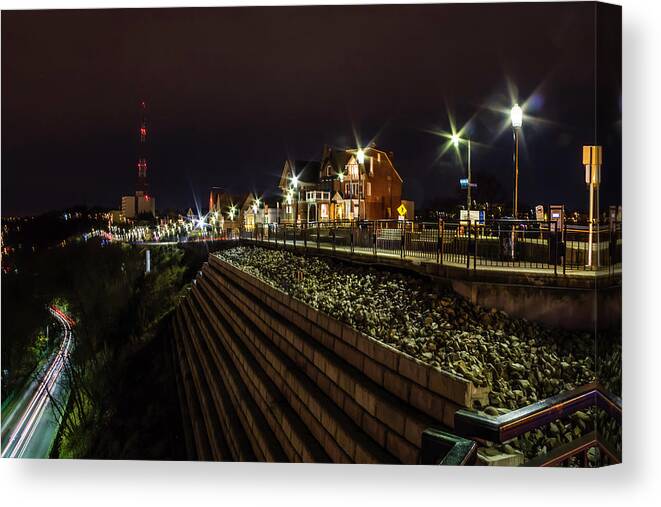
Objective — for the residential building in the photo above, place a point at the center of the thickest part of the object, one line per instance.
(347, 184)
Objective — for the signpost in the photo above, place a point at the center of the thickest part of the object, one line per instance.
(463, 183)
(539, 212)
(592, 160)
(402, 210)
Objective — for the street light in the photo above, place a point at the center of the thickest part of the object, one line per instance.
(455, 139)
(361, 156)
(516, 115)
(294, 182)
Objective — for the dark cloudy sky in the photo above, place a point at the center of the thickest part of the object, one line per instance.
(231, 92)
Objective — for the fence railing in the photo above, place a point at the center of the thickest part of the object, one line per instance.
(492, 243)
(473, 425)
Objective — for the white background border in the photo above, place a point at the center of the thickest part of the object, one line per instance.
(99, 483)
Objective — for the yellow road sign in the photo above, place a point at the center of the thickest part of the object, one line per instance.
(402, 210)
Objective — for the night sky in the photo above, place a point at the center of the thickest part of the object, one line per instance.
(232, 92)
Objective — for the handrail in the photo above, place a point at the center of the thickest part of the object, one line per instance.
(441, 448)
(505, 427)
(573, 448)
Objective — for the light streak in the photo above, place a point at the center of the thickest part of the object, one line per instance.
(25, 428)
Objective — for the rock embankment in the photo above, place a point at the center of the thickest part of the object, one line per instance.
(520, 361)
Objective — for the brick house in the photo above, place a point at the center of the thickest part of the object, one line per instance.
(347, 184)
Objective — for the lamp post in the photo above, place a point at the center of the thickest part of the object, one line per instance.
(360, 158)
(456, 140)
(516, 115)
(294, 182)
(255, 208)
(340, 177)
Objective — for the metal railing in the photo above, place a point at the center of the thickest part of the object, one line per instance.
(441, 448)
(473, 425)
(507, 243)
(579, 450)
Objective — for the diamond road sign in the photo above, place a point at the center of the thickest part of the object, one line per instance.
(401, 210)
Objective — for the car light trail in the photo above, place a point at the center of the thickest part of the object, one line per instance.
(25, 428)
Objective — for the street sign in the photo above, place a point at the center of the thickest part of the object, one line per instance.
(475, 216)
(402, 210)
(463, 183)
(539, 212)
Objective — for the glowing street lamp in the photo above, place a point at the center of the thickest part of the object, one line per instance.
(455, 140)
(516, 115)
(294, 182)
(360, 156)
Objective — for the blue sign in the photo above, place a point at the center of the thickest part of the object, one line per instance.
(463, 182)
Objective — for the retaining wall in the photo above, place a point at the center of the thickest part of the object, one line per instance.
(271, 379)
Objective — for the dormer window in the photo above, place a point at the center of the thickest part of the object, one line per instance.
(329, 170)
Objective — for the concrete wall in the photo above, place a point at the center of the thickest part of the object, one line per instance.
(567, 308)
(569, 302)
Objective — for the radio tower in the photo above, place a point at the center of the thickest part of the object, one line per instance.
(142, 150)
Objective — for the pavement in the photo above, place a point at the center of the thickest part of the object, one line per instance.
(30, 425)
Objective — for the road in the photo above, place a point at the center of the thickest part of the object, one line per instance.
(30, 426)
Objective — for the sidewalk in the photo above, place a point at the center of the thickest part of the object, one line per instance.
(430, 260)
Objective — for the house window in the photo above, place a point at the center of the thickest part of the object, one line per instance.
(352, 169)
(329, 170)
(353, 189)
(324, 210)
(378, 157)
(369, 189)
